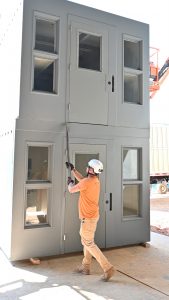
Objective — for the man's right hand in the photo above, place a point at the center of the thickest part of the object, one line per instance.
(69, 165)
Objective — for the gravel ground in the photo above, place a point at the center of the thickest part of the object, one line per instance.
(159, 214)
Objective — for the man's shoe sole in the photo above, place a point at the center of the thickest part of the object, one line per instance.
(81, 271)
(107, 275)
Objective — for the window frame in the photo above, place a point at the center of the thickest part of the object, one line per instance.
(53, 56)
(100, 36)
(132, 182)
(39, 184)
(127, 71)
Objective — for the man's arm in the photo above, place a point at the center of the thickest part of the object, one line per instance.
(77, 175)
(80, 186)
(73, 188)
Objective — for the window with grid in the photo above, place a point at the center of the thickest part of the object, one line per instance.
(38, 185)
(133, 70)
(132, 181)
(45, 54)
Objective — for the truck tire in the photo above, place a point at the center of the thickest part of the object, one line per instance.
(163, 189)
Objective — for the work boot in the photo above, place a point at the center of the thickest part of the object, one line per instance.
(85, 270)
(108, 274)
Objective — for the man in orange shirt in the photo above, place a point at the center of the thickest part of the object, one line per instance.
(89, 188)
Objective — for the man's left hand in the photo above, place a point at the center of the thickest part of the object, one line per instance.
(70, 180)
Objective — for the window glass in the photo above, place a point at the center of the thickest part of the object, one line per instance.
(36, 207)
(133, 54)
(89, 51)
(131, 163)
(132, 172)
(43, 74)
(133, 67)
(44, 39)
(37, 163)
(131, 199)
(81, 161)
(133, 88)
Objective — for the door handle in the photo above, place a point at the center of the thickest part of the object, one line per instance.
(109, 202)
(111, 83)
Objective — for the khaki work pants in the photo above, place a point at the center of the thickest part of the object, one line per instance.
(87, 233)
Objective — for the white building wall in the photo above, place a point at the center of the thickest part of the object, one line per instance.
(52, 107)
(10, 53)
(7, 137)
(42, 118)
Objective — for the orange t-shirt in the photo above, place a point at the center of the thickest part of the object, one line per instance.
(89, 197)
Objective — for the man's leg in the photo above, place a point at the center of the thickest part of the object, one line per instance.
(87, 257)
(87, 232)
(86, 262)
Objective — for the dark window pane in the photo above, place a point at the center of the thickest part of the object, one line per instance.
(132, 88)
(44, 39)
(131, 200)
(89, 51)
(37, 163)
(43, 74)
(81, 161)
(133, 54)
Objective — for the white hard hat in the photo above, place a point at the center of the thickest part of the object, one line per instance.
(96, 165)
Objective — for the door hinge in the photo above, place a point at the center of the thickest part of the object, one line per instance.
(64, 237)
(69, 106)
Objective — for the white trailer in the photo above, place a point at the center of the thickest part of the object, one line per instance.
(159, 158)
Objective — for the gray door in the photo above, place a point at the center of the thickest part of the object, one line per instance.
(127, 193)
(91, 78)
(80, 154)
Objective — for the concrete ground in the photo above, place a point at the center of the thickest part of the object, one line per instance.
(142, 274)
(159, 213)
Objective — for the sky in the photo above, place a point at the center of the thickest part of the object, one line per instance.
(156, 14)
